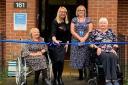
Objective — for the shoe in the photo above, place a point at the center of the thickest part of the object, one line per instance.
(47, 82)
(55, 82)
(60, 81)
(116, 83)
(108, 83)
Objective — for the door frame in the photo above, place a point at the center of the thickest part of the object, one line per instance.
(42, 16)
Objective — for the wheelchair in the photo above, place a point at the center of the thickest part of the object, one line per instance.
(96, 75)
(23, 70)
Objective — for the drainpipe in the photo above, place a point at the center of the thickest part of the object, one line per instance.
(1, 51)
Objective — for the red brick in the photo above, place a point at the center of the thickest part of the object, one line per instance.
(10, 33)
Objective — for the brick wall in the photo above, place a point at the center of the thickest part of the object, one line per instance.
(13, 49)
(103, 8)
(123, 17)
(123, 30)
(123, 22)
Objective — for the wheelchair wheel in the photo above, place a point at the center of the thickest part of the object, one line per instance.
(49, 70)
(20, 73)
(92, 81)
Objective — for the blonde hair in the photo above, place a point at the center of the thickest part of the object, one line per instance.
(58, 18)
(78, 8)
(31, 31)
(103, 19)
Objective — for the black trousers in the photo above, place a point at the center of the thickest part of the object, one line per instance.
(58, 69)
(37, 73)
(109, 61)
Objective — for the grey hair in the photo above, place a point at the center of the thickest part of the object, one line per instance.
(103, 19)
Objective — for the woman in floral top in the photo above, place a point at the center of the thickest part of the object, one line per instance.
(80, 28)
(34, 55)
(106, 52)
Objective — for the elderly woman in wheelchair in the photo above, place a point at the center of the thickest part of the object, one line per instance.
(35, 58)
(106, 52)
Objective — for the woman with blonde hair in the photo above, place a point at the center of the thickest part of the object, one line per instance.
(60, 34)
(80, 28)
(35, 58)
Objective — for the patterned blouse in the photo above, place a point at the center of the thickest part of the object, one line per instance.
(81, 28)
(36, 62)
(98, 36)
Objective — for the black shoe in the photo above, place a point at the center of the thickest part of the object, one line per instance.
(60, 81)
(47, 82)
(55, 82)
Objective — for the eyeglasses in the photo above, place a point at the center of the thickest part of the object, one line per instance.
(63, 11)
(81, 10)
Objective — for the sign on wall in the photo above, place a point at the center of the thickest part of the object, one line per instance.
(20, 4)
(20, 21)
